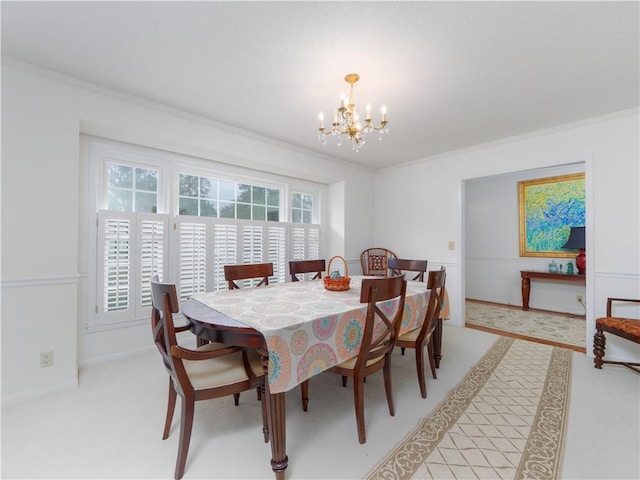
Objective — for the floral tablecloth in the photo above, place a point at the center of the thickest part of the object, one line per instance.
(308, 329)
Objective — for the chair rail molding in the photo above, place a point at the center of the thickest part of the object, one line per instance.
(41, 281)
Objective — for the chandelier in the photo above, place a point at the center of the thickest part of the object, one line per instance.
(346, 120)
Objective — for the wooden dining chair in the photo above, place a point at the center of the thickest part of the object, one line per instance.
(398, 265)
(374, 261)
(301, 267)
(624, 327)
(423, 336)
(210, 371)
(378, 339)
(248, 271)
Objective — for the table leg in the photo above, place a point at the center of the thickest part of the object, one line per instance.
(526, 291)
(276, 421)
(437, 343)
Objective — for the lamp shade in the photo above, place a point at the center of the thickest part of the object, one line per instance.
(576, 239)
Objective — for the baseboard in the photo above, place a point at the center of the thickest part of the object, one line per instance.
(518, 307)
(38, 393)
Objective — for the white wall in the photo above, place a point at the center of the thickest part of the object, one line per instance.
(492, 246)
(44, 259)
(428, 207)
(44, 279)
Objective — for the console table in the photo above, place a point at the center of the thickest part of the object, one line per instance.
(527, 275)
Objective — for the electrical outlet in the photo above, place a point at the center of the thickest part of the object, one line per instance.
(452, 245)
(46, 359)
(580, 299)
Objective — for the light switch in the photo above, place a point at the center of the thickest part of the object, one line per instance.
(452, 245)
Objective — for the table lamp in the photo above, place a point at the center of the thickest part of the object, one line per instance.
(576, 241)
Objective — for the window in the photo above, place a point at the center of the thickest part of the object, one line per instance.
(209, 197)
(132, 189)
(207, 220)
(301, 208)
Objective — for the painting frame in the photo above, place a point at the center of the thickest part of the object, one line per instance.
(548, 208)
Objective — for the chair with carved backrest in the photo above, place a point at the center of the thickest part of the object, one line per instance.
(378, 339)
(628, 328)
(399, 265)
(423, 335)
(301, 267)
(210, 371)
(248, 271)
(375, 261)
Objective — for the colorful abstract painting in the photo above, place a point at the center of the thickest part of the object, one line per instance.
(549, 207)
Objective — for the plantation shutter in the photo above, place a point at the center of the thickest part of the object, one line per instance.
(114, 265)
(298, 243)
(277, 252)
(313, 242)
(192, 268)
(131, 248)
(252, 248)
(153, 245)
(225, 252)
(305, 242)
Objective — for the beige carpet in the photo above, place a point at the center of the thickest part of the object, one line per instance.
(505, 420)
(551, 328)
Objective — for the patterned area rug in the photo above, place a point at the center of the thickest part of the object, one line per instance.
(505, 420)
(556, 329)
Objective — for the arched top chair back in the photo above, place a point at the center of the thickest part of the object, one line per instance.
(381, 328)
(418, 267)
(247, 271)
(301, 267)
(375, 261)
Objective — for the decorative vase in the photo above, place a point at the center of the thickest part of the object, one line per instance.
(553, 267)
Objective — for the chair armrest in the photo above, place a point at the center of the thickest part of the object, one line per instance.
(610, 300)
(188, 354)
(183, 328)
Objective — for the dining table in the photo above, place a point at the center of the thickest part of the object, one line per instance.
(300, 329)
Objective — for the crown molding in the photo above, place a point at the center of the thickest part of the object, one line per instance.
(176, 112)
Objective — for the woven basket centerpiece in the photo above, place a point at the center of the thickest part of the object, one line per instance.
(333, 281)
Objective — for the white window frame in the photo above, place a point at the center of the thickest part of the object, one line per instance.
(169, 166)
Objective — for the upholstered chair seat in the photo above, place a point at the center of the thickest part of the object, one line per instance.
(627, 328)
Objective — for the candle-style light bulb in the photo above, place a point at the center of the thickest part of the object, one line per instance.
(321, 117)
(384, 113)
(368, 111)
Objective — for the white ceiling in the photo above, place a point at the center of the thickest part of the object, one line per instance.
(452, 74)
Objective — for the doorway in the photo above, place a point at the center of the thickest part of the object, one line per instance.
(490, 256)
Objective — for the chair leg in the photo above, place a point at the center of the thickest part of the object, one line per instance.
(265, 422)
(420, 370)
(304, 391)
(402, 350)
(386, 371)
(599, 344)
(432, 360)
(344, 380)
(171, 405)
(358, 399)
(186, 424)
(236, 398)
